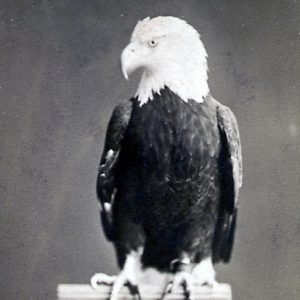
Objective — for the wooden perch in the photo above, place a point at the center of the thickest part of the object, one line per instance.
(84, 292)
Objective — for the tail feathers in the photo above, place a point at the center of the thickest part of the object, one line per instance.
(224, 238)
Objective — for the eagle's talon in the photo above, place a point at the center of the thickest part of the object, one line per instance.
(187, 289)
(211, 284)
(167, 290)
(120, 281)
(183, 279)
(134, 290)
(204, 273)
(101, 278)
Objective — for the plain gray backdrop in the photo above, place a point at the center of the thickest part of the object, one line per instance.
(59, 81)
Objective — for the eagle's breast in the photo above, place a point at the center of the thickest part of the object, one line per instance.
(172, 138)
(171, 149)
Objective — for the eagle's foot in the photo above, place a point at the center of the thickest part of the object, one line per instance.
(116, 282)
(183, 279)
(134, 291)
(127, 276)
(120, 281)
(204, 273)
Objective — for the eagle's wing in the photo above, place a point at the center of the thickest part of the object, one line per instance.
(230, 168)
(106, 178)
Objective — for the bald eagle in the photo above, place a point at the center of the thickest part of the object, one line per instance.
(171, 168)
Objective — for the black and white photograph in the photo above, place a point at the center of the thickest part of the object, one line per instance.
(150, 150)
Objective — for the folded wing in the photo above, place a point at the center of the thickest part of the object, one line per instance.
(106, 188)
(230, 168)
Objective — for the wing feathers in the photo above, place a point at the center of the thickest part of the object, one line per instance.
(231, 140)
(230, 168)
(106, 178)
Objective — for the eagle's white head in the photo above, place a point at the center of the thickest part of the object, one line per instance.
(171, 54)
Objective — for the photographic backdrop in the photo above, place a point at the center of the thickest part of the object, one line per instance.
(59, 81)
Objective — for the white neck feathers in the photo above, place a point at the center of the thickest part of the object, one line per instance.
(185, 74)
(189, 83)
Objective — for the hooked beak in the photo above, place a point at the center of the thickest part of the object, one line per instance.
(129, 59)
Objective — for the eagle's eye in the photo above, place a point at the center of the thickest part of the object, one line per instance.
(152, 43)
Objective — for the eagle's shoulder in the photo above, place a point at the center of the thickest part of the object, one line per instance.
(229, 130)
(226, 117)
(217, 105)
(117, 125)
(122, 111)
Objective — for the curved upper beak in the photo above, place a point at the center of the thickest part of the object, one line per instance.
(129, 59)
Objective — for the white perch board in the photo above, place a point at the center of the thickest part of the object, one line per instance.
(84, 292)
